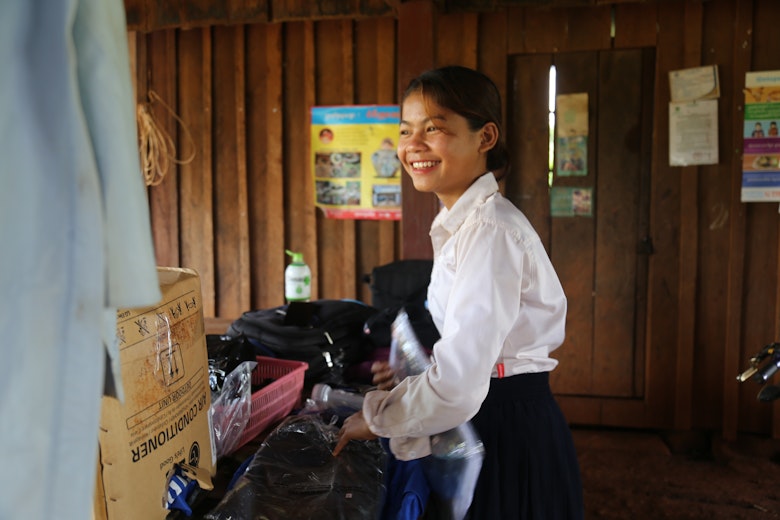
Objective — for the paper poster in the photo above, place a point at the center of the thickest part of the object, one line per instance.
(567, 201)
(693, 132)
(694, 83)
(571, 128)
(357, 174)
(761, 143)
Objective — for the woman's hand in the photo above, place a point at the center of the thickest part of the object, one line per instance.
(355, 427)
(384, 375)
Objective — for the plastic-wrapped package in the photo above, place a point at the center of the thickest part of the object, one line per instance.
(456, 457)
(408, 491)
(225, 354)
(231, 408)
(294, 475)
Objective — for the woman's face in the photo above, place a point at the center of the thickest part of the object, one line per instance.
(439, 151)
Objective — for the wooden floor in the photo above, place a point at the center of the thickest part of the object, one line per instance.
(654, 476)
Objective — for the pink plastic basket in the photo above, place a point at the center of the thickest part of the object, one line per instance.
(276, 399)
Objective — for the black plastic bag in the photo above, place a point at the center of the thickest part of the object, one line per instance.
(294, 476)
(225, 354)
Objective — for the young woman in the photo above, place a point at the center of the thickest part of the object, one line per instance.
(498, 304)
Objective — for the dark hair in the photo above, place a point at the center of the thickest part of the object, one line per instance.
(471, 95)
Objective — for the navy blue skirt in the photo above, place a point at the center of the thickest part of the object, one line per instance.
(530, 469)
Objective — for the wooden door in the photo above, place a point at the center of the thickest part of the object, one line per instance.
(601, 258)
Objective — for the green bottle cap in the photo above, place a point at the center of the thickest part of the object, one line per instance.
(297, 258)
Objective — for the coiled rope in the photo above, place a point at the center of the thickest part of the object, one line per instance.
(156, 146)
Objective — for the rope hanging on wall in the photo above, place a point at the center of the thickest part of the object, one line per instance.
(155, 145)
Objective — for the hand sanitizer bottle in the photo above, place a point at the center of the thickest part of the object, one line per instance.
(297, 279)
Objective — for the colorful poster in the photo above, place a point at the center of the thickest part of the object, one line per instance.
(357, 174)
(571, 147)
(761, 143)
(566, 201)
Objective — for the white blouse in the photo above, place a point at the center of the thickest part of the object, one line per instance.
(500, 309)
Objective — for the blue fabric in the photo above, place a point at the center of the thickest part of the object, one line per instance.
(240, 471)
(407, 488)
(76, 243)
(179, 490)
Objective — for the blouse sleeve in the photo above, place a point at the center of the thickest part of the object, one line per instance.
(481, 281)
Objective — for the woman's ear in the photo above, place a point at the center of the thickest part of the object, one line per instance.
(488, 137)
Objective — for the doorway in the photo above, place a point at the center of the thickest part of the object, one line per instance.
(601, 253)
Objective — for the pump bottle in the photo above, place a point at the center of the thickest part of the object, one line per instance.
(297, 279)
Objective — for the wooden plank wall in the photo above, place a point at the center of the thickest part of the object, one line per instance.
(243, 91)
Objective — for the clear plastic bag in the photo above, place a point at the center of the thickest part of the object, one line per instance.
(456, 457)
(231, 408)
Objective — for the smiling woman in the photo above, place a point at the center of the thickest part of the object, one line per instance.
(439, 149)
(498, 305)
(445, 149)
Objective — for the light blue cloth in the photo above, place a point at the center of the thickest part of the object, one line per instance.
(75, 243)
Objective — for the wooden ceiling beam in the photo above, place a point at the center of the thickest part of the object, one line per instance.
(154, 15)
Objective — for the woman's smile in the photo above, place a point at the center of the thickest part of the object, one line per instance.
(438, 149)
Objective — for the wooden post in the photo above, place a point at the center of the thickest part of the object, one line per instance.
(416, 37)
(689, 181)
(743, 39)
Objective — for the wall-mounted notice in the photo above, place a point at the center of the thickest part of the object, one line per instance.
(693, 116)
(694, 83)
(357, 174)
(761, 143)
(693, 132)
(571, 128)
(567, 201)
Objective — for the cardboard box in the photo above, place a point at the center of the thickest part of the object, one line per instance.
(164, 419)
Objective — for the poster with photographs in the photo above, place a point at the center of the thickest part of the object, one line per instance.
(571, 127)
(761, 143)
(567, 201)
(357, 174)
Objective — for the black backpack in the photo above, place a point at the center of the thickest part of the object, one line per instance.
(327, 334)
(402, 284)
